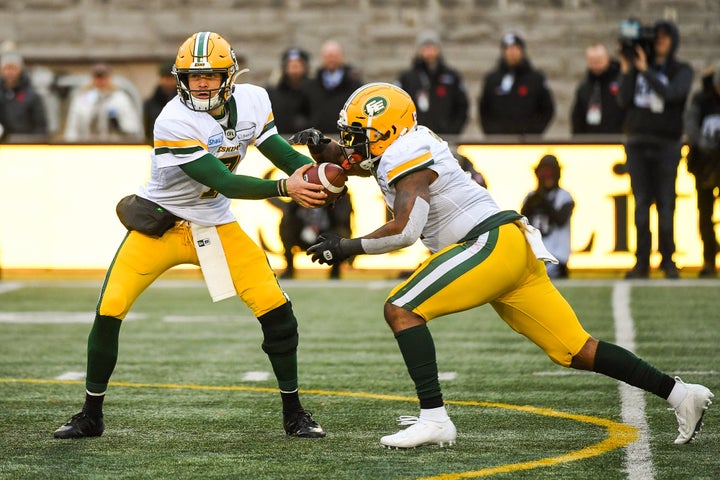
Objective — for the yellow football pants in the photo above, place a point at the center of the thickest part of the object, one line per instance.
(500, 269)
(141, 259)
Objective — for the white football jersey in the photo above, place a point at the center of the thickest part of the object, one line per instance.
(457, 203)
(182, 135)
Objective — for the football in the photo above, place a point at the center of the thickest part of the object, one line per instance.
(332, 177)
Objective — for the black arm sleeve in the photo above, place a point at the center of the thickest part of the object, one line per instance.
(210, 171)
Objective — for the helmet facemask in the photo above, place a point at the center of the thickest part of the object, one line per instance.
(358, 145)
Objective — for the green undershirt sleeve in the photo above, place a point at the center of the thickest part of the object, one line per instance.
(210, 171)
(282, 154)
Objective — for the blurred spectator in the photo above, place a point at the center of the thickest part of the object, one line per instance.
(290, 96)
(702, 125)
(334, 81)
(165, 91)
(23, 107)
(549, 208)
(515, 97)
(102, 112)
(300, 228)
(595, 109)
(654, 87)
(437, 90)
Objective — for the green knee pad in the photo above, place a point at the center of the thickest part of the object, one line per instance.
(280, 335)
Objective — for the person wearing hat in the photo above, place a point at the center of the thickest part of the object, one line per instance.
(702, 126)
(290, 96)
(437, 90)
(549, 208)
(653, 88)
(23, 108)
(515, 98)
(165, 91)
(102, 112)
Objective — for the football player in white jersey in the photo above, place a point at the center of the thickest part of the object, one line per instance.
(182, 216)
(479, 254)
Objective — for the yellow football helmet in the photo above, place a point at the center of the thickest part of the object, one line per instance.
(373, 117)
(205, 52)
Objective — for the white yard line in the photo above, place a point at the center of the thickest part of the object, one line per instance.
(638, 458)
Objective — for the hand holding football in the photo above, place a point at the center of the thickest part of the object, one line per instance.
(332, 177)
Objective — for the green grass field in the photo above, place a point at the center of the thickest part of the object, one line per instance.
(186, 401)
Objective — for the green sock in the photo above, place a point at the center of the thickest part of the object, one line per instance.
(102, 352)
(621, 364)
(418, 350)
(285, 368)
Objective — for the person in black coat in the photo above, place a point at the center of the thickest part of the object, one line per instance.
(515, 98)
(437, 90)
(23, 107)
(290, 97)
(334, 81)
(653, 87)
(702, 126)
(165, 91)
(595, 109)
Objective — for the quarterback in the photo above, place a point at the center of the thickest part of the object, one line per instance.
(182, 216)
(479, 254)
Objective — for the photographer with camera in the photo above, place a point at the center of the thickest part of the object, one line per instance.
(702, 126)
(653, 87)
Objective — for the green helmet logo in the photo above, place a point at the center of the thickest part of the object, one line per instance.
(375, 106)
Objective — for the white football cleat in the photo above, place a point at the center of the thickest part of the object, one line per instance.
(691, 410)
(421, 432)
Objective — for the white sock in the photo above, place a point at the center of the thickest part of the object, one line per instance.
(677, 395)
(438, 414)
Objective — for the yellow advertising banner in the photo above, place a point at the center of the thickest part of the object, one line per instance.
(57, 204)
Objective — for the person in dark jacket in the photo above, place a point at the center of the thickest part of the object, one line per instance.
(334, 81)
(702, 126)
(165, 91)
(290, 97)
(23, 107)
(437, 90)
(515, 97)
(595, 109)
(654, 89)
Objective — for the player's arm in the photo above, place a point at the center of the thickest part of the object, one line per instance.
(282, 155)
(210, 171)
(411, 208)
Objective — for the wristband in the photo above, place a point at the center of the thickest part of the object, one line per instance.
(282, 187)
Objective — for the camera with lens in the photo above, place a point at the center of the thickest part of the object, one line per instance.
(634, 34)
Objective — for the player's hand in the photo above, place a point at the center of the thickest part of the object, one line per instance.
(309, 137)
(328, 250)
(306, 194)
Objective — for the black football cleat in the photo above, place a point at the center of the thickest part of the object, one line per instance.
(81, 425)
(301, 424)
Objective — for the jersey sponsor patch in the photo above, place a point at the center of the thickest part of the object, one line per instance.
(215, 141)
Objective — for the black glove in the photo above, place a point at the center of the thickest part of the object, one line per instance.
(328, 249)
(311, 137)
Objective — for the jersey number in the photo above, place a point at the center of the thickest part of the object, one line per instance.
(231, 163)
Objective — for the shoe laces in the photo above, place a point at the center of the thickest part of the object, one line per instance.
(404, 420)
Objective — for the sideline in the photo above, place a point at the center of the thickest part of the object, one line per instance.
(618, 435)
(638, 458)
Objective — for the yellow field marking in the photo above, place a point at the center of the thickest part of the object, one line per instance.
(619, 435)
